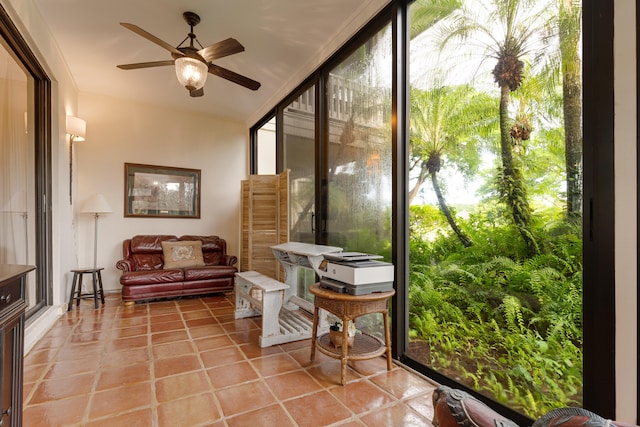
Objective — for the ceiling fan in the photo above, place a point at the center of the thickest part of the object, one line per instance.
(193, 64)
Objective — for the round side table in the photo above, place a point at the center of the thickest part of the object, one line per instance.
(348, 307)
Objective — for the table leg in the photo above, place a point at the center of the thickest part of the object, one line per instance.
(314, 333)
(101, 288)
(345, 351)
(94, 276)
(79, 290)
(387, 339)
(271, 305)
(73, 288)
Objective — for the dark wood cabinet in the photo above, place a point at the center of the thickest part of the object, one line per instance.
(12, 308)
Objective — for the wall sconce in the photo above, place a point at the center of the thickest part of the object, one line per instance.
(96, 206)
(76, 128)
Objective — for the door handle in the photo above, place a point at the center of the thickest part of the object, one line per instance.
(313, 222)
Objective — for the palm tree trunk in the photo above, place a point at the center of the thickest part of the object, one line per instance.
(572, 106)
(573, 145)
(512, 188)
(421, 179)
(466, 241)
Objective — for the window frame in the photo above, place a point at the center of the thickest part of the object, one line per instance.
(42, 168)
(598, 193)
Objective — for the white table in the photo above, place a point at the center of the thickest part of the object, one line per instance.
(295, 255)
(278, 302)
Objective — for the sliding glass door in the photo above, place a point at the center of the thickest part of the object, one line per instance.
(17, 198)
(503, 286)
(299, 136)
(358, 148)
(25, 163)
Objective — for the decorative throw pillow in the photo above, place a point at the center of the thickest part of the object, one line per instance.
(182, 254)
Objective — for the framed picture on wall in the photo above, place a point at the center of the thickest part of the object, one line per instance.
(161, 191)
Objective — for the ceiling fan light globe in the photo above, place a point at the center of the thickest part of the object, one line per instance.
(191, 73)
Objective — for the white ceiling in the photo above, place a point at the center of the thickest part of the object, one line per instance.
(284, 40)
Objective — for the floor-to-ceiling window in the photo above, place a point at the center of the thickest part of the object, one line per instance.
(358, 148)
(265, 148)
(24, 163)
(502, 188)
(495, 193)
(17, 163)
(298, 146)
(358, 153)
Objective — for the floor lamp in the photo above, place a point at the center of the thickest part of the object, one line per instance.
(96, 205)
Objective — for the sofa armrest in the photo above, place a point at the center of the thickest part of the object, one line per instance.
(124, 265)
(229, 260)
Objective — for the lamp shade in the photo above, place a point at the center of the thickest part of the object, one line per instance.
(96, 204)
(77, 128)
(192, 73)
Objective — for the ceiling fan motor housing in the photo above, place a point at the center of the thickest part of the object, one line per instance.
(192, 18)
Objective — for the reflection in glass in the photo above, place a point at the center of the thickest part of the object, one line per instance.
(299, 154)
(17, 204)
(298, 120)
(359, 183)
(359, 149)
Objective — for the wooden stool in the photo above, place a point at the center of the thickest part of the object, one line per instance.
(97, 286)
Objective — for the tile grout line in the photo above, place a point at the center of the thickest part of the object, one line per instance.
(240, 339)
(201, 362)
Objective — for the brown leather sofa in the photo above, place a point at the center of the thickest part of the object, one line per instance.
(145, 275)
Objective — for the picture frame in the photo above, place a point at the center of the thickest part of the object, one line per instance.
(161, 191)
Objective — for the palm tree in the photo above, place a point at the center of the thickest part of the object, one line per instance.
(444, 122)
(538, 136)
(564, 65)
(426, 13)
(569, 31)
(507, 31)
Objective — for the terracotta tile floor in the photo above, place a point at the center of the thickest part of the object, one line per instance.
(189, 363)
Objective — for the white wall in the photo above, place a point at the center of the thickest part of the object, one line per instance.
(120, 132)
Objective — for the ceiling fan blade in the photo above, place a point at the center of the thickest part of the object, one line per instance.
(145, 65)
(221, 49)
(233, 77)
(196, 93)
(151, 38)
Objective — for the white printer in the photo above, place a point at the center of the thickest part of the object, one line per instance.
(356, 273)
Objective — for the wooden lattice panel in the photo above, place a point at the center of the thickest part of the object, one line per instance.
(264, 222)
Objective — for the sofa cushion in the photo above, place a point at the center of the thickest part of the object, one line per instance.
(148, 261)
(182, 254)
(147, 277)
(213, 248)
(209, 272)
(150, 244)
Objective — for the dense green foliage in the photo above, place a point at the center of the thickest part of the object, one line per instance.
(503, 323)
